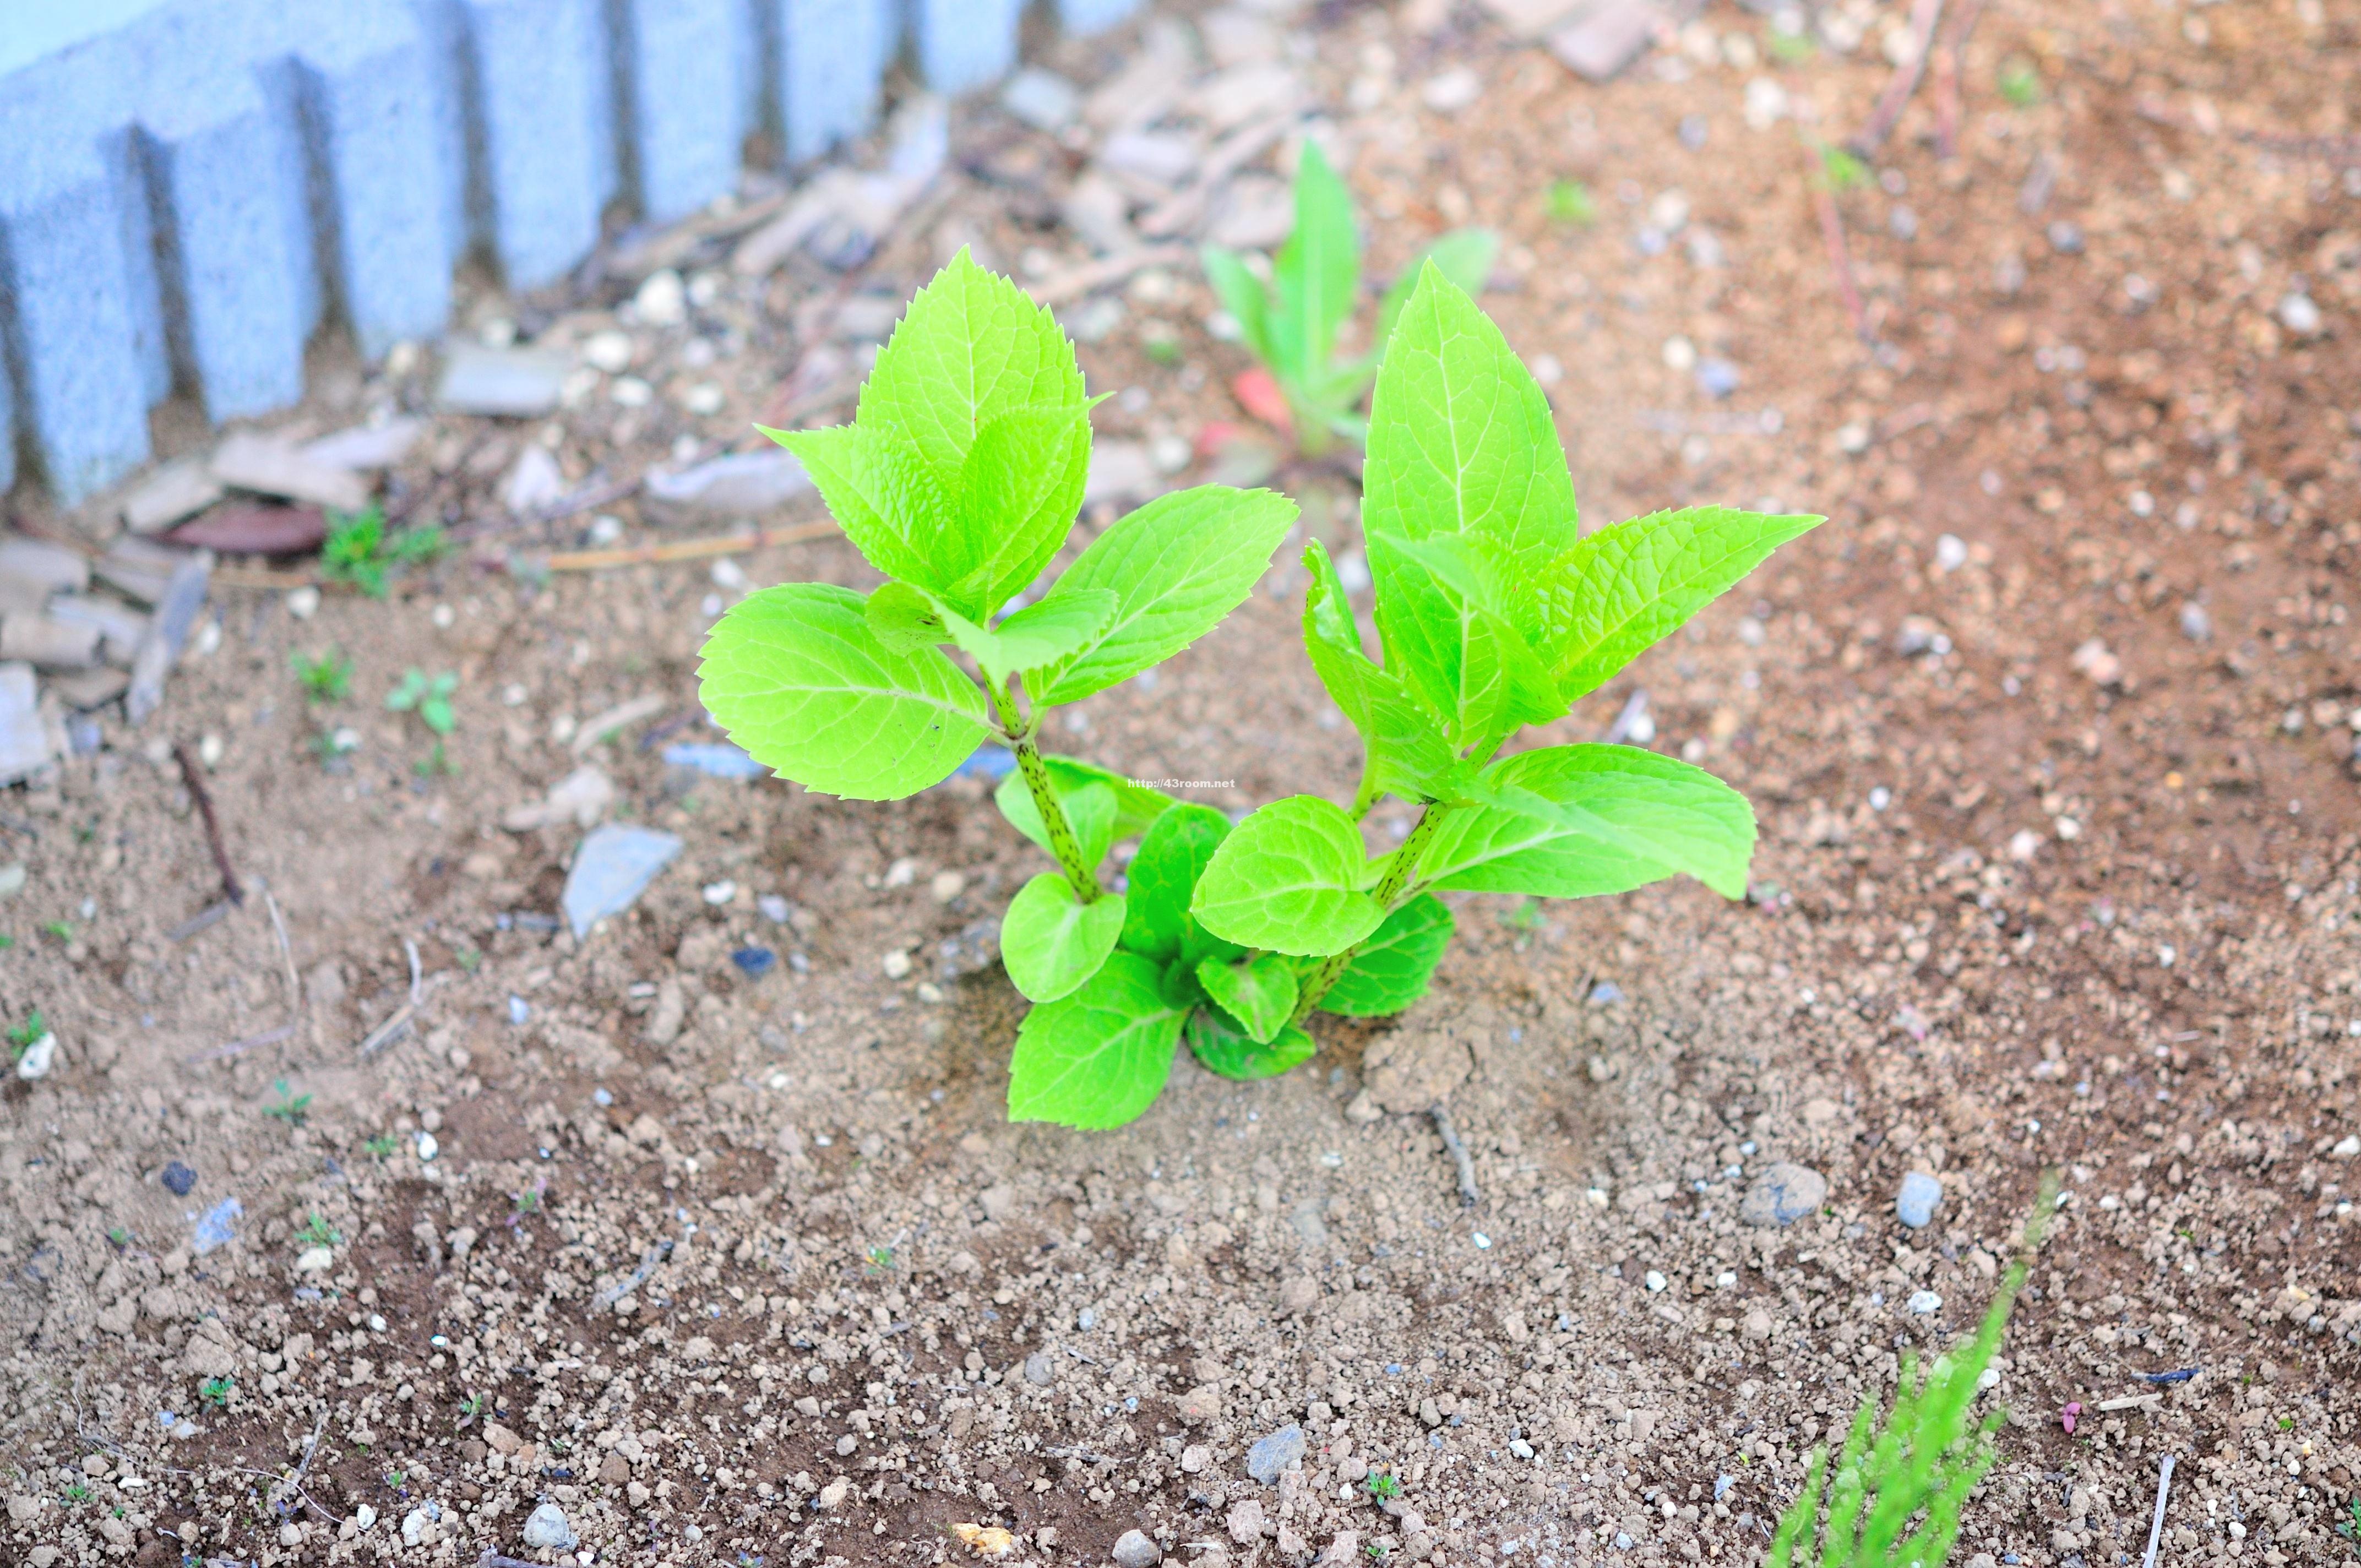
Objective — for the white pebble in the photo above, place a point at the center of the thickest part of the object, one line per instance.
(897, 964)
(1655, 1281)
(303, 602)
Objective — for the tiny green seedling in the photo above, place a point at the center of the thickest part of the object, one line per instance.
(326, 678)
(316, 1231)
(2020, 81)
(215, 1391)
(470, 1407)
(430, 698)
(61, 929)
(1841, 169)
(1383, 1486)
(959, 479)
(878, 1260)
(291, 1109)
(1570, 204)
(1494, 612)
(23, 1037)
(384, 1145)
(1292, 324)
(357, 550)
(1896, 1495)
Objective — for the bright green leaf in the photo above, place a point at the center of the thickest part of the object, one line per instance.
(1289, 878)
(1222, 1045)
(1043, 633)
(1463, 256)
(1461, 440)
(906, 618)
(1243, 295)
(1619, 817)
(1051, 941)
(970, 348)
(1408, 753)
(1175, 566)
(1392, 968)
(794, 674)
(1259, 994)
(1617, 592)
(1018, 493)
(1162, 880)
(1099, 1057)
(1317, 270)
(889, 505)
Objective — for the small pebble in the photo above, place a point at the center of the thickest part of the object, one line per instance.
(427, 1148)
(896, 964)
(1655, 1281)
(1271, 1455)
(1134, 1549)
(1924, 1303)
(1782, 1194)
(178, 1179)
(545, 1529)
(754, 962)
(1916, 1200)
(1040, 1370)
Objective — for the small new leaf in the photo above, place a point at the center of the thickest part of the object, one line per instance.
(1051, 941)
(1289, 879)
(1259, 994)
(1092, 809)
(1099, 1057)
(1224, 1047)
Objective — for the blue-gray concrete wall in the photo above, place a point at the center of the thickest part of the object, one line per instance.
(189, 196)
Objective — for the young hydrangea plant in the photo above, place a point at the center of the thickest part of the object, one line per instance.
(1494, 611)
(959, 479)
(1292, 325)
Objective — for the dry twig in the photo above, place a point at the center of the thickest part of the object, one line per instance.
(385, 1033)
(1924, 14)
(1947, 77)
(1469, 1196)
(1839, 258)
(204, 798)
(686, 549)
(1093, 276)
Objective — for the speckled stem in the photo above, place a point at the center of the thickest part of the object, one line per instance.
(1062, 843)
(1390, 888)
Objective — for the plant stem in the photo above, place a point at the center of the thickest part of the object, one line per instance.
(1062, 843)
(1390, 888)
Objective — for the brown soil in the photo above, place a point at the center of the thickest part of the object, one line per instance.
(2059, 868)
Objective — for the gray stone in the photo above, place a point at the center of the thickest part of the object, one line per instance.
(272, 468)
(1600, 44)
(1040, 1370)
(178, 1179)
(1042, 99)
(218, 1228)
(1784, 1194)
(1924, 1303)
(520, 382)
(745, 484)
(1133, 1549)
(23, 739)
(167, 633)
(611, 869)
(1916, 1202)
(1271, 1455)
(172, 492)
(545, 1529)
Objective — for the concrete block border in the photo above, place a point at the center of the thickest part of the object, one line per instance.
(188, 199)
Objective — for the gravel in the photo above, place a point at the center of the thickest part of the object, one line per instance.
(545, 1529)
(1271, 1455)
(1133, 1549)
(1782, 1194)
(1916, 1200)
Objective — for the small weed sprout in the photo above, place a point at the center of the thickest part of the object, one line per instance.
(2019, 82)
(1383, 1485)
(357, 550)
(23, 1036)
(1841, 171)
(215, 1391)
(383, 1145)
(1570, 204)
(470, 1407)
(1899, 1485)
(61, 929)
(316, 1231)
(78, 1492)
(326, 678)
(1292, 324)
(431, 700)
(291, 1109)
(878, 1259)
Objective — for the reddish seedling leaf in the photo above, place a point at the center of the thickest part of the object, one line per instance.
(1258, 392)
